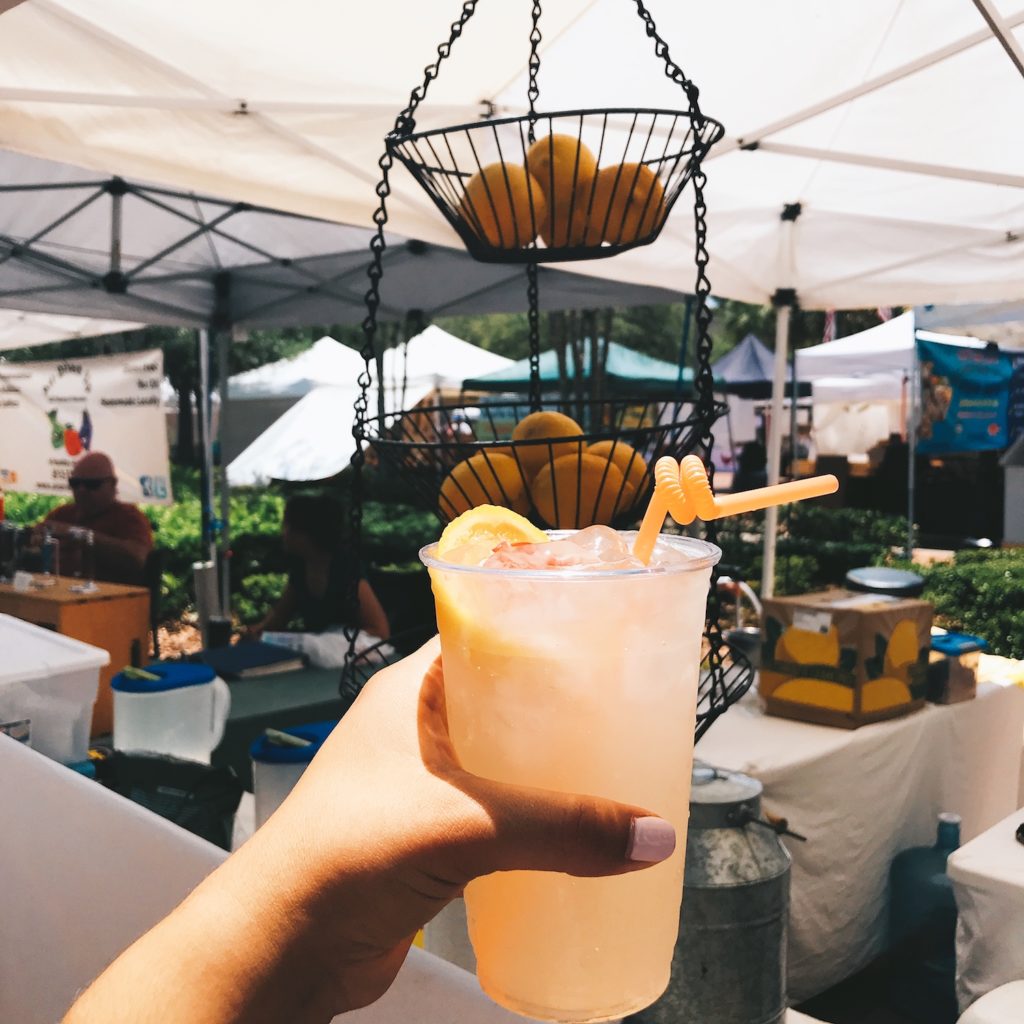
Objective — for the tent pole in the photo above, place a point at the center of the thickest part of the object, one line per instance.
(206, 474)
(792, 414)
(783, 300)
(915, 380)
(783, 313)
(223, 343)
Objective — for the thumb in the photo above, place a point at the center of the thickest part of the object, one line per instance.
(540, 830)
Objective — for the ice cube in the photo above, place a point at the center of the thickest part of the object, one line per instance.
(602, 544)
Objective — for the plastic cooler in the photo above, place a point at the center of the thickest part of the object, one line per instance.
(49, 682)
(181, 713)
(276, 768)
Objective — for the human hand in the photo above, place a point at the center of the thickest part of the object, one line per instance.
(251, 633)
(315, 914)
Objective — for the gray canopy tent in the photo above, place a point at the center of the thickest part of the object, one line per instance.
(97, 245)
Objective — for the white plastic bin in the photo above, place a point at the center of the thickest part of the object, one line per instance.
(51, 681)
(276, 769)
(181, 713)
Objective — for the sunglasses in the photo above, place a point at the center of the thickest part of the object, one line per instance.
(88, 483)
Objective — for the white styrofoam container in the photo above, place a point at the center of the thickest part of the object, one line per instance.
(52, 681)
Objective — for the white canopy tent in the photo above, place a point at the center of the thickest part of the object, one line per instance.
(872, 156)
(313, 439)
(24, 330)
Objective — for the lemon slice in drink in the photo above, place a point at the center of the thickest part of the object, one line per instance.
(469, 540)
(485, 527)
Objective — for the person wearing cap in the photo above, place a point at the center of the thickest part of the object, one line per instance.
(122, 536)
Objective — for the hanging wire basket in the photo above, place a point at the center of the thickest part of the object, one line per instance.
(571, 185)
(722, 682)
(454, 457)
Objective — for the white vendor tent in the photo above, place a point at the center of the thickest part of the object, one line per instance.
(313, 440)
(20, 330)
(871, 154)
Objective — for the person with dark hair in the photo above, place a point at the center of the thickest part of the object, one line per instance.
(751, 467)
(319, 576)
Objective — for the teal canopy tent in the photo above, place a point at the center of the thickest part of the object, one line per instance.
(626, 372)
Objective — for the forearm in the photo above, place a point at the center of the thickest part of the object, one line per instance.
(235, 952)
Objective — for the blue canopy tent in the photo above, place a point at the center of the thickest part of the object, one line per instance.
(746, 371)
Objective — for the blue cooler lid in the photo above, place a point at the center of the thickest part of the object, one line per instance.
(267, 752)
(172, 676)
(955, 644)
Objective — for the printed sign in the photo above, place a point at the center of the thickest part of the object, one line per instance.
(52, 413)
(1015, 412)
(964, 398)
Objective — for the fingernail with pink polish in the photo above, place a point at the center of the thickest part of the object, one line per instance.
(651, 840)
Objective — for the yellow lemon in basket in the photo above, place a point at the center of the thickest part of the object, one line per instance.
(625, 456)
(628, 203)
(504, 206)
(565, 169)
(574, 491)
(544, 426)
(483, 479)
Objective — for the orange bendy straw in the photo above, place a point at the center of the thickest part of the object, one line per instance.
(681, 489)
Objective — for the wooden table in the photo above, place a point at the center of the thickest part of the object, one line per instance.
(113, 617)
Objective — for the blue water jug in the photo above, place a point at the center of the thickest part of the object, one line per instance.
(922, 930)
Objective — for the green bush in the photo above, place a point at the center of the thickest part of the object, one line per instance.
(980, 592)
(255, 594)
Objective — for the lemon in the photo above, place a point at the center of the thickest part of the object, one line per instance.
(543, 426)
(482, 479)
(625, 456)
(488, 524)
(628, 204)
(565, 170)
(576, 491)
(504, 206)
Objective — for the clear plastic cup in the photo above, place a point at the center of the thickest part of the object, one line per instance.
(580, 681)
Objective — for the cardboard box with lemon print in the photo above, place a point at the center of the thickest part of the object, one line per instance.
(844, 658)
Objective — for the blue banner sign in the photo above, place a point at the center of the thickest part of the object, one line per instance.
(964, 398)
(1015, 412)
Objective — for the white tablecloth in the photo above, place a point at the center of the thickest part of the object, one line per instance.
(860, 797)
(988, 881)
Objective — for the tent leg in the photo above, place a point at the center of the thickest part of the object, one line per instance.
(783, 313)
(223, 343)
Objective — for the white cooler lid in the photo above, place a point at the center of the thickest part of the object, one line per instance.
(32, 652)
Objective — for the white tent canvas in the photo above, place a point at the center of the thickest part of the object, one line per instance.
(313, 440)
(859, 113)
(21, 330)
(325, 362)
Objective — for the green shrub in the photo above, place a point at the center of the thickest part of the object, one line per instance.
(981, 592)
(255, 594)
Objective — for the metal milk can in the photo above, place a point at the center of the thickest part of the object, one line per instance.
(729, 965)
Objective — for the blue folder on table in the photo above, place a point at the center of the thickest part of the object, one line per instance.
(249, 659)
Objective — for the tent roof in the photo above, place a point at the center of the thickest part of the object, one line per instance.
(326, 362)
(21, 330)
(870, 365)
(626, 371)
(311, 441)
(746, 370)
(859, 113)
(435, 359)
(188, 259)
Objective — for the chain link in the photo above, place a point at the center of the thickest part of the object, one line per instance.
(672, 70)
(405, 123)
(533, 92)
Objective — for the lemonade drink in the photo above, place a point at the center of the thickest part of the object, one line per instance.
(578, 674)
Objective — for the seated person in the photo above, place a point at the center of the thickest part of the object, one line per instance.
(319, 577)
(751, 468)
(122, 536)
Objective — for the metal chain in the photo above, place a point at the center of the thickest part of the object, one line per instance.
(673, 70)
(533, 92)
(704, 379)
(533, 318)
(405, 123)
